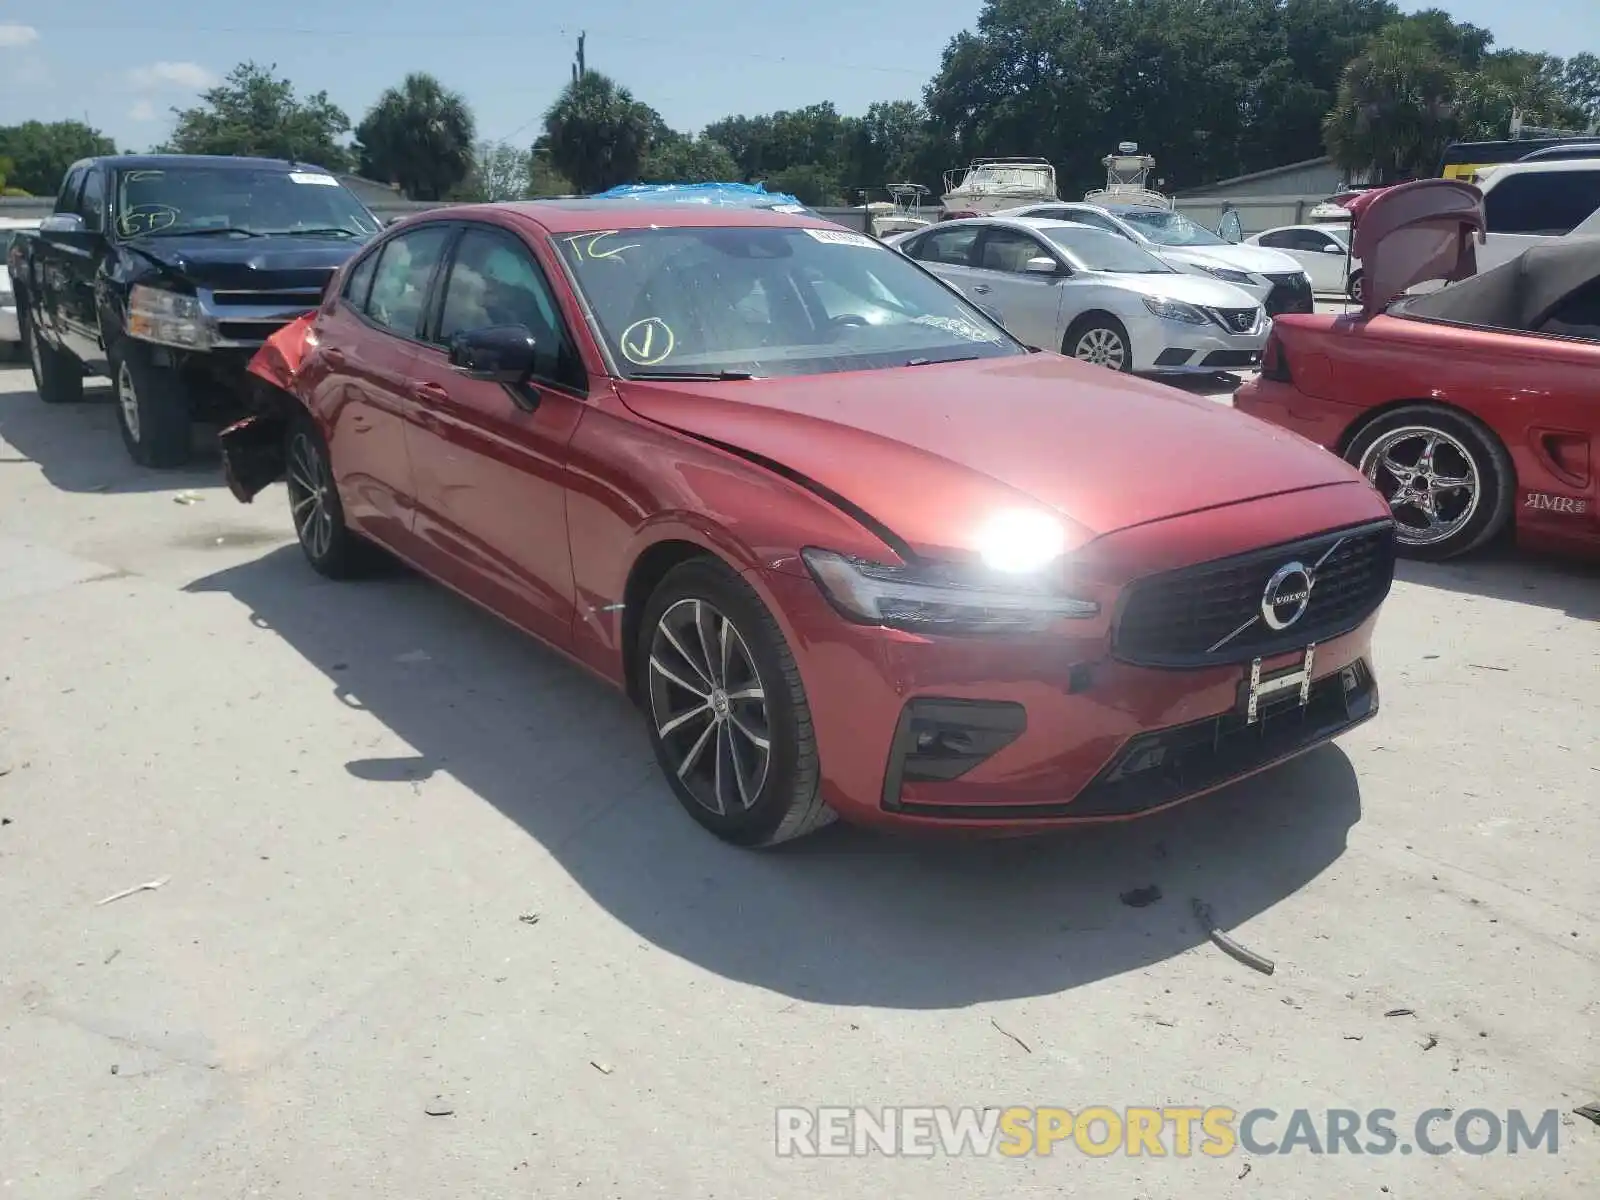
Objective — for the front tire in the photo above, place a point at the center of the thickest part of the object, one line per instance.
(1448, 480)
(729, 719)
(153, 407)
(1101, 341)
(57, 377)
(329, 545)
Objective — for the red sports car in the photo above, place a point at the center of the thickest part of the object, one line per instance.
(1474, 407)
(852, 548)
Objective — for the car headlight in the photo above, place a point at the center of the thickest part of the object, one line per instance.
(172, 319)
(1175, 310)
(939, 598)
(1227, 274)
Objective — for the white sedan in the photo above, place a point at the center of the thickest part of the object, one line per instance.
(1275, 279)
(1096, 296)
(1324, 252)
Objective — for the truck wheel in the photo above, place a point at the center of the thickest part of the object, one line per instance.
(57, 377)
(153, 409)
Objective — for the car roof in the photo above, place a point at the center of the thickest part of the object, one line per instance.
(586, 214)
(155, 162)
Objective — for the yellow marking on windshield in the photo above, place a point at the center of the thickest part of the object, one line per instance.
(647, 342)
(590, 243)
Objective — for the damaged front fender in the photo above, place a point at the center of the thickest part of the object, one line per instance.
(254, 452)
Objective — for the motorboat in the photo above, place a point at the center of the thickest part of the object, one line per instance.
(899, 215)
(990, 185)
(1127, 181)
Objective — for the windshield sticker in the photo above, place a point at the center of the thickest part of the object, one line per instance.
(592, 245)
(841, 237)
(958, 327)
(647, 342)
(147, 218)
(317, 178)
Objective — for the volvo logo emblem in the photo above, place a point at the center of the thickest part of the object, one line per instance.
(1287, 595)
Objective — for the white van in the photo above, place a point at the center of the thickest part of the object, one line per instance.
(1528, 203)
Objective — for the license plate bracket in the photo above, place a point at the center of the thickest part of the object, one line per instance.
(1260, 688)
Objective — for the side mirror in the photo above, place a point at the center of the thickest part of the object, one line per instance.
(1043, 265)
(62, 223)
(497, 354)
(1231, 229)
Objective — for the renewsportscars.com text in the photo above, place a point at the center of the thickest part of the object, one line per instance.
(1159, 1132)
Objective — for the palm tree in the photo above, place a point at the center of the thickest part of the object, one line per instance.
(597, 134)
(1396, 109)
(419, 135)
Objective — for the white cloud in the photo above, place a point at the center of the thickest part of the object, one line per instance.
(17, 35)
(143, 111)
(191, 76)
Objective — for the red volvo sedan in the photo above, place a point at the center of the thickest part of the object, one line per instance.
(852, 548)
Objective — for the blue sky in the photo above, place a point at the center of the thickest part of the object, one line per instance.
(125, 65)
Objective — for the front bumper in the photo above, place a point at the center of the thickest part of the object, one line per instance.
(1063, 732)
(1175, 347)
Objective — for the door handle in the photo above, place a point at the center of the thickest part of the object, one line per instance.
(980, 289)
(430, 393)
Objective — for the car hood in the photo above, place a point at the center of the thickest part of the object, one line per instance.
(249, 264)
(1192, 289)
(1257, 259)
(933, 452)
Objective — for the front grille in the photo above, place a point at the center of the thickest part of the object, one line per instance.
(1230, 358)
(1236, 320)
(1214, 613)
(250, 332)
(1290, 294)
(294, 298)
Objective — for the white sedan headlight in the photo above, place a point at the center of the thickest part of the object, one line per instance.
(169, 318)
(1175, 310)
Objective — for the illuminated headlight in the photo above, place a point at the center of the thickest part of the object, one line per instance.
(1227, 274)
(1175, 310)
(155, 315)
(937, 598)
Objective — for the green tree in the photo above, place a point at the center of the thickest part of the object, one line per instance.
(254, 112)
(543, 178)
(886, 144)
(1397, 108)
(597, 134)
(419, 135)
(40, 153)
(810, 183)
(679, 159)
(1533, 85)
(1580, 79)
(500, 171)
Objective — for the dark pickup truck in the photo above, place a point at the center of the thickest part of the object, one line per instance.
(166, 273)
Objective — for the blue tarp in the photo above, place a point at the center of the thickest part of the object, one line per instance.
(728, 195)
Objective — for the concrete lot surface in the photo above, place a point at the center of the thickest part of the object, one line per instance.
(412, 862)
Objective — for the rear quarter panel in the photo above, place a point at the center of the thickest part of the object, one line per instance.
(1539, 395)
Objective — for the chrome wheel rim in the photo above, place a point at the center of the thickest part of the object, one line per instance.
(308, 496)
(1430, 479)
(1358, 288)
(1102, 348)
(128, 399)
(709, 707)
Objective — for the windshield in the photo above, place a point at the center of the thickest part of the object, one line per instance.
(769, 301)
(1097, 250)
(1170, 229)
(238, 202)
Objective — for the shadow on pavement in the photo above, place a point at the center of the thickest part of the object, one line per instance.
(1504, 573)
(79, 447)
(844, 917)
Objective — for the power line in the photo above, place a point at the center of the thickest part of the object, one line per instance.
(699, 43)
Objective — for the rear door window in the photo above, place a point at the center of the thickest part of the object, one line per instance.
(950, 246)
(400, 283)
(1553, 203)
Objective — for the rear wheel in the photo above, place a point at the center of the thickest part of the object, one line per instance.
(153, 408)
(1358, 287)
(1101, 341)
(314, 506)
(57, 377)
(1448, 480)
(728, 713)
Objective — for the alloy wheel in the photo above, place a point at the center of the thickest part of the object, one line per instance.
(128, 398)
(1101, 347)
(1430, 479)
(308, 496)
(709, 706)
